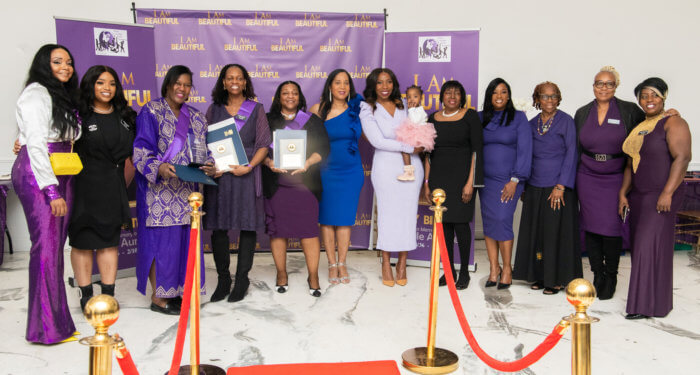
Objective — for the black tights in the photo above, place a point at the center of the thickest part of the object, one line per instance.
(464, 233)
(222, 257)
(604, 256)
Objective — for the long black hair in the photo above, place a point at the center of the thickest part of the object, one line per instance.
(219, 94)
(87, 94)
(171, 77)
(276, 106)
(488, 104)
(63, 95)
(370, 92)
(325, 104)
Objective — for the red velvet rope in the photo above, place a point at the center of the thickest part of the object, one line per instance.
(185, 308)
(514, 366)
(126, 363)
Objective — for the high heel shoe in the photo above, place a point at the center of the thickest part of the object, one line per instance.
(314, 292)
(502, 286)
(343, 279)
(490, 283)
(403, 281)
(331, 279)
(282, 288)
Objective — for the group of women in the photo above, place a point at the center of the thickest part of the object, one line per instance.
(496, 152)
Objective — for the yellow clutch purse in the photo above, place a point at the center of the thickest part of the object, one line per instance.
(65, 163)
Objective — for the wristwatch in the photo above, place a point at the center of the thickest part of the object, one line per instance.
(514, 179)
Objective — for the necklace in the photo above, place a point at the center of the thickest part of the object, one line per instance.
(450, 115)
(103, 111)
(289, 116)
(542, 129)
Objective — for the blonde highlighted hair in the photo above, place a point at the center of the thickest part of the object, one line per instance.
(611, 69)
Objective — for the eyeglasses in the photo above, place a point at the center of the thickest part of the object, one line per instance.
(544, 97)
(607, 85)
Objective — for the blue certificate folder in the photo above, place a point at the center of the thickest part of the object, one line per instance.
(193, 174)
(224, 142)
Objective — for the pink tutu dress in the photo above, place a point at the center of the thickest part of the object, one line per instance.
(416, 130)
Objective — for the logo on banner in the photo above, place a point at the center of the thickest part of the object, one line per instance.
(141, 97)
(336, 45)
(261, 19)
(187, 44)
(213, 71)
(161, 18)
(363, 21)
(363, 219)
(264, 71)
(162, 70)
(434, 48)
(111, 42)
(431, 98)
(241, 44)
(287, 45)
(312, 72)
(195, 97)
(214, 19)
(311, 20)
(361, 71)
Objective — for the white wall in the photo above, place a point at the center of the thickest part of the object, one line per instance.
(525, 42)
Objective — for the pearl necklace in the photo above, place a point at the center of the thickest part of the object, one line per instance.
(103, 111)
(542, 129)
(450, 115)
(290, 116)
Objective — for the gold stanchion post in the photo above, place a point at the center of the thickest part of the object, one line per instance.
(101, 312)
(195, 368)
(581, 294)
(429, 359)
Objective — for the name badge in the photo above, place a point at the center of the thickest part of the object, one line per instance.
(613, 121)
(92, 128)
(643, 132)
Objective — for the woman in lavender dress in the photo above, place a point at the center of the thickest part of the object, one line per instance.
(47, 123)
(237, 202)
(659, 153)
(397, 201)
(602, 126)
(548, 243)
(507, 157)
(168, 132)
(291, 197)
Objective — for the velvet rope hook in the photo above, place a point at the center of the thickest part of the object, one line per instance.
(535, 355)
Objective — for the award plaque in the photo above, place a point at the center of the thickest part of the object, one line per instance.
(224, 142)
(289, 149)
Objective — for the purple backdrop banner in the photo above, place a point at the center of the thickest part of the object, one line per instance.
(428, 59)
(274, 47)
(129, 50)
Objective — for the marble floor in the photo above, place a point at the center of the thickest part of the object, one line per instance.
(365, 320)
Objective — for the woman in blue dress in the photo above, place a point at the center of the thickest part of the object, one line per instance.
(507, 159)
(341, 173)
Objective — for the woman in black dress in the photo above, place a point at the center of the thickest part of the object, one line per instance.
(101, 205)
(456, 166)
(292, 196)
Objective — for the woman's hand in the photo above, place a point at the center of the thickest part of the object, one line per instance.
(58, 207)
(622, 203)
(671, 112)
(209, 169)
(467, 193)
(166, 170)
(240, 170)
(556, 197)
(508, 191)
(664, 202)
(17, 147)
(302, 170)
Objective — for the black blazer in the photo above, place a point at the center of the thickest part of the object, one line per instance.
(316, 141)
(631, 115)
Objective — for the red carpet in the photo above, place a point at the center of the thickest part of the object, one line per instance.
(346, 368)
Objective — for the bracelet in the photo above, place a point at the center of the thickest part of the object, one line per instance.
(425, 181)
(560, 189)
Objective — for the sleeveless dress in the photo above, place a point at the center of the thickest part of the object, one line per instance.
(652, 233)
(342, 175)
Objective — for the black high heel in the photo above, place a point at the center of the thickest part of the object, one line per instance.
(490, 283)
(314, 292)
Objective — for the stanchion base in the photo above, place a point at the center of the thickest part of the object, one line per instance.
(443, 362)
(203, 370)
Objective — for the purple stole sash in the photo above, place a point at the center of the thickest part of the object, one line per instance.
(299, 121)
(183, 122)
(243, 114)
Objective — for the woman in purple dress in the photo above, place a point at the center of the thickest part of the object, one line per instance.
(47, 123)
(659, 151)
(168, 132)
(397, 201)
(237, 202)
(291, 197)
(548, 251)
(602, 126)
(507, 158)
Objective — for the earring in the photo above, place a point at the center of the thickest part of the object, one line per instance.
(330, 97)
